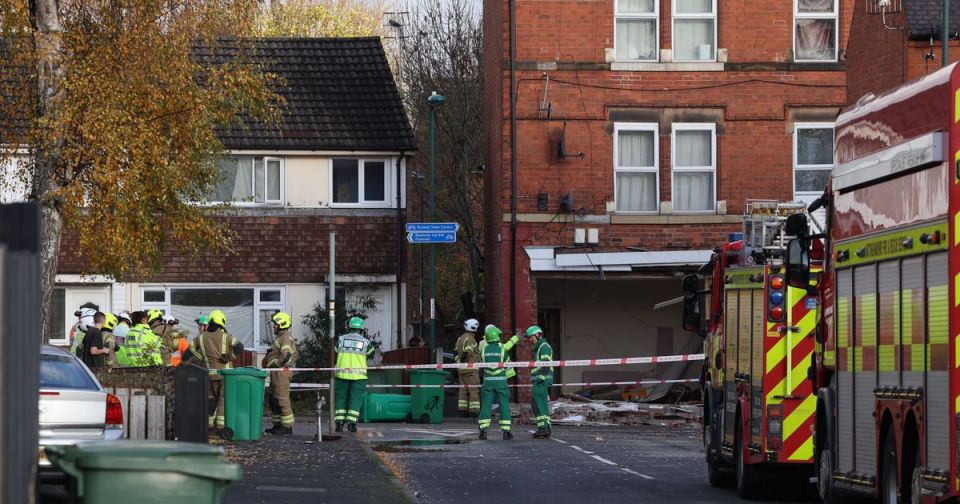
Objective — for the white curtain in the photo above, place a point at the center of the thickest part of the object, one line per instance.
(814, 146)
(636, 39)
(637, 191)
(815, 5)
(692, 191)
(236, 183)
(694, 6)
(815, 39)
(693, 148)
(635, 6)
(239, 320)
(636, 149)
(273, 180)
(693, 39)
(258, 180)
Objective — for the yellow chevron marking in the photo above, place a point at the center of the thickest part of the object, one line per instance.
(806, 324)
(805, 452)
(775, 394)
(799, 371)
(776, 354)
(798, 416)
(956, 282)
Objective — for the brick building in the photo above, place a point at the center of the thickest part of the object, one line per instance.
(641, 128)
(331, 165)
(893, 45)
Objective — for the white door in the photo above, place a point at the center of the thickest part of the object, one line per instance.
(76, 296)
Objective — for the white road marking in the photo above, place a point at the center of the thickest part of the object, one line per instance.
(635, 473)
(559, 440)
(605, 461)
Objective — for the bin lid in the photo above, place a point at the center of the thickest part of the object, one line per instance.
(194, 459)
(245, 371)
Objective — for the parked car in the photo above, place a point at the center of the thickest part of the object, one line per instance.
(73, 406)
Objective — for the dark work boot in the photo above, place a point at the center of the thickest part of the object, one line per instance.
(464, 414)
(339, 427)
(352, 427)
(507, 434)
(272, 430)
(483, 434)
(284, 431)
(541, 433)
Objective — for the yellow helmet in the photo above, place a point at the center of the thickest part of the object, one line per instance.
(154, 315)
(282, 320)
(217, 317)
(110, 322)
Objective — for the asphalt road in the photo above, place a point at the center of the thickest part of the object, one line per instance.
(579, 464)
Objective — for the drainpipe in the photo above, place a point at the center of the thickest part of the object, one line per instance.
(399, 254)
(945, 33)
(513, 167)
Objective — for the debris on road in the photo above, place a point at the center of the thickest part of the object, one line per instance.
(582, 411)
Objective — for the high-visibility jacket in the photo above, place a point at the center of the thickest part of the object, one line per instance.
(177, 357)
(542, 351)
(497, 352)
(78, 335)
(353, 350)
(283, 353)
(141, 348)
(216, 350)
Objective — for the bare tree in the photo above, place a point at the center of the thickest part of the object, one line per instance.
(442, 53)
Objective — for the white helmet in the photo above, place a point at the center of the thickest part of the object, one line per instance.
(86, 318)
(471, 325)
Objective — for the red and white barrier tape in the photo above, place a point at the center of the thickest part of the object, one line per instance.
(528, 364)
(323, 386)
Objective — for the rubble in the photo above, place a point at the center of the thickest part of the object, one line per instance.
(581, 411)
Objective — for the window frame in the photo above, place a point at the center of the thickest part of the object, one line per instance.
(698, 16)
(617, 15)
(796, 155)
(389, 174)
(834, 16)
(712, 128)
(257, 304)
(253, 189)
(655, 169)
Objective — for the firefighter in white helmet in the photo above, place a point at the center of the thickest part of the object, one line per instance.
(468, 402)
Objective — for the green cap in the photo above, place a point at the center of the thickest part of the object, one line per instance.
(356, 323)
(203, 319)
(534, 330)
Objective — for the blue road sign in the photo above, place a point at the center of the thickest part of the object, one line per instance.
(432, 227)
(432, 237)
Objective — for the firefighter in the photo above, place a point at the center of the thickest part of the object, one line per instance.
(109, 342)
(141, 348)
(353, 350)
(79, 330)
(282, 354)
(124, 323)
(215, 349)
(495, 382)
(542, 379)
(466, 352)
(162, 327)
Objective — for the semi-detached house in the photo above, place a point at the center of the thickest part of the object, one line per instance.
(331, 165)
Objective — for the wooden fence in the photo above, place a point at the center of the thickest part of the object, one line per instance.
(144, 412)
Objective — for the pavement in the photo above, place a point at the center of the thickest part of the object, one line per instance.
(413, 463)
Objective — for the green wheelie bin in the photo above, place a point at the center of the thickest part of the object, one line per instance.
(243, 402)
(426, 403)
(145, 472)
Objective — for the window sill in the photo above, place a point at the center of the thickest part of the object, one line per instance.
(360, 206)
(620, 218)
(643, 66)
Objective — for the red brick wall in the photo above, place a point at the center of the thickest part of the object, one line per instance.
(753, 102)
(876, 56)
(289, 248)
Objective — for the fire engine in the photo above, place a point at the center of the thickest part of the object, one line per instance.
(886, 365)
(758, 340)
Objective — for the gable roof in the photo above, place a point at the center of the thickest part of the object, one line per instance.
(924, 18)
(339, 92)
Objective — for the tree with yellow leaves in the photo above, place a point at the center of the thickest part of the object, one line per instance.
(113, 123)
(320, 18)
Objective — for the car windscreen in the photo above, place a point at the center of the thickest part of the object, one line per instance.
(61, 371)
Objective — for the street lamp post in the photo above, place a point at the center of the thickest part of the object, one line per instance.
(433, 102)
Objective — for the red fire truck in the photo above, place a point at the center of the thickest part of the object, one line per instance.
(886, 365)
(758, 339)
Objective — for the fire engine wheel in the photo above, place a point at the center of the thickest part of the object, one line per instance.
(716, 475)
(747, 480)
(888, 478)
(825, 488)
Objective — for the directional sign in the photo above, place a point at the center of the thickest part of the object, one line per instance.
(432, 237)
(432, 227)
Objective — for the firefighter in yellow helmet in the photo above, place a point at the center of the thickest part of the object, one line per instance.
(162, 327)
(109, 342)
(282, 355)
(215, 349)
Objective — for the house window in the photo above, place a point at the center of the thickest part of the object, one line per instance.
(360, 182)
(637, 30)
(249, 179)
(636, 167)
(694, 163)
(815, 30)
(248, 309)
(812, 159)
(694, 30)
